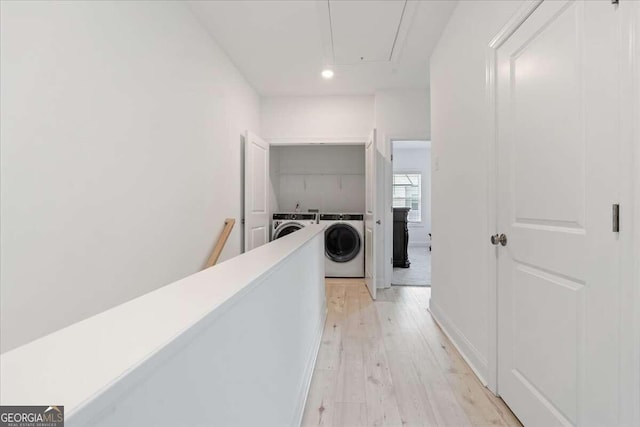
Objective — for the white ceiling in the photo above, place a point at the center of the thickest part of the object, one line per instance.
(361, 31)
(282, 46)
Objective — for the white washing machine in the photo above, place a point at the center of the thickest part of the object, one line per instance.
(344, 244)
(286, 223)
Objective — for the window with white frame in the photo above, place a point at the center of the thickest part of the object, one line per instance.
(407, 194)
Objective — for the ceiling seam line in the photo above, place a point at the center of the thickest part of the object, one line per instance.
(395, 40)
(333, 51)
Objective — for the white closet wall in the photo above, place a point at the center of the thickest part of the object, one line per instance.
(325, 177)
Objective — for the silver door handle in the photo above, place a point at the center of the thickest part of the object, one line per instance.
(499, 239)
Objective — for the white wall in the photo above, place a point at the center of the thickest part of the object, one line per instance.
(325, 177)
(402, 114)
(120, 156)
(317, 118)
(397, 113)
(417, 159)
(460, 122)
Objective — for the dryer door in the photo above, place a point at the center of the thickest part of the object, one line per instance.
(286, 229)
(342, 242)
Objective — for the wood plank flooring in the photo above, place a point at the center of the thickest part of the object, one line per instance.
(386, 363)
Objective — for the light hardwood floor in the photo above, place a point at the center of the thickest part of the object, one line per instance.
(386, 363)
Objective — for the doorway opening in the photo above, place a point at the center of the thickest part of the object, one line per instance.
(411, 202)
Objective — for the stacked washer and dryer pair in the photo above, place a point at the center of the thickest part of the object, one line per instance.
(343, 239)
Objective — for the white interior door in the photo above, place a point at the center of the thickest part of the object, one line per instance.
(256, 191)
(370, 217)
(386, 209)
(558, 275)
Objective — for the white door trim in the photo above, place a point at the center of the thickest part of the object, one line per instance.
(630, 197)
(492, 185)
(371, 216)
(635, 71)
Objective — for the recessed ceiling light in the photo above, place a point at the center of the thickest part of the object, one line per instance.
(327, 74)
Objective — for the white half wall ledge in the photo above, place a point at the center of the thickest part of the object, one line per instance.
(234, 344)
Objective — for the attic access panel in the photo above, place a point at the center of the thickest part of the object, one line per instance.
(364, 31)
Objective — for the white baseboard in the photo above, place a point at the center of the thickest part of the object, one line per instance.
(308, 374)
(469, 352)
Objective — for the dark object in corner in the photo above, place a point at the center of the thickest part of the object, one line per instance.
(401, 237)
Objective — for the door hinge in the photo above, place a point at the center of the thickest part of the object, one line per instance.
(392, 157)
(391, 260)
(615, 215)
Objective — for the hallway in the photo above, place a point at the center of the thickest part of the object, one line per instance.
(419, 273)
(388, 363)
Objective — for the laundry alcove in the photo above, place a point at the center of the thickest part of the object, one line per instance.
(327, 178)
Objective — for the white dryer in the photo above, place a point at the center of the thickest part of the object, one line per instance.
(344, 244)
(286, 223)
